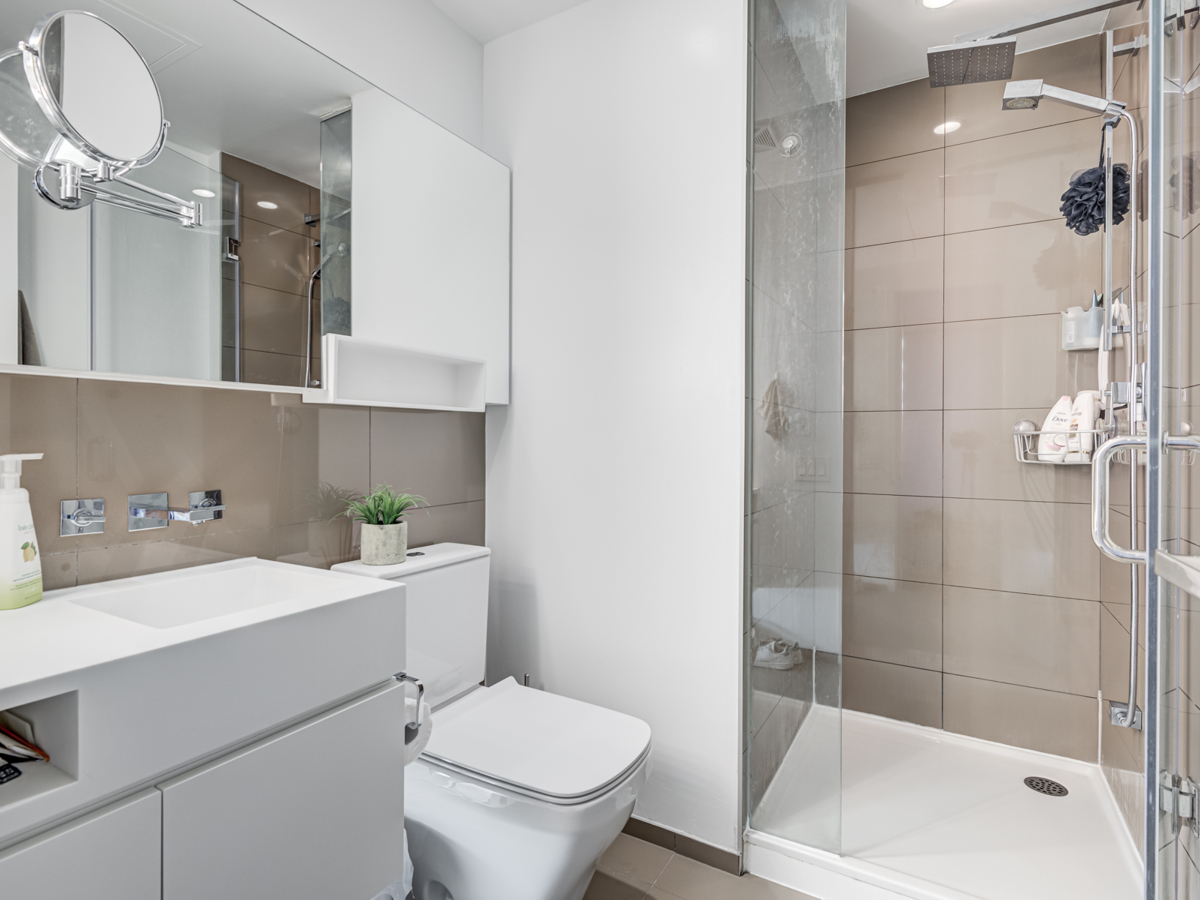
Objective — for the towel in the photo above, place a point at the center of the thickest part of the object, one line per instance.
(771, 409)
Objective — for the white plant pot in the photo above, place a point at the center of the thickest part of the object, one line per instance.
(384, 545)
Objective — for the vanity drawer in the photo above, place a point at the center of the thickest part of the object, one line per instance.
(111, 854)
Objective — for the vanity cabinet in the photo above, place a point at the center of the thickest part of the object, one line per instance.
(111, 854)
(312, 813)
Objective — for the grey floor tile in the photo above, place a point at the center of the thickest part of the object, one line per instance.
(608, 885)
(686, 879)
(636, 858)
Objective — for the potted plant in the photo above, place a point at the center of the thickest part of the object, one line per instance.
(384, 531)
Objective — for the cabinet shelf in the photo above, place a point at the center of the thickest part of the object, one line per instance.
(366, 373)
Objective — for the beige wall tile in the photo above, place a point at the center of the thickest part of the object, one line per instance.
(893, 453)
(59, 571)
(147, 557)
(439, 455)
(1015, 178)
(1012, 363)
(1019, 270)
(1043, 642)
(898, 692)
(1024, 547)
(893, 537)
(458, 523)
(274, 321)
(275, 368)
(293, 198)
(892, 621)
(894, 368)
(1131, 84)
(1063, 724)
(894, 284)
(275, 258)
(980, 460)
(895, 200)
(895, 121)
(1075, 65)
(38, 415)
(1114, 655)
(142, 438)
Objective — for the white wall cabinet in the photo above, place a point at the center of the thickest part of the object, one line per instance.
(430, 266)
(111, 854)
(313, 813)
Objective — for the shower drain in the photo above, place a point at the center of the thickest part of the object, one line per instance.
(1045, 786)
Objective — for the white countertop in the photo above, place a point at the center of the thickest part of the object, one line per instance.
(56, 636)
(182, 666)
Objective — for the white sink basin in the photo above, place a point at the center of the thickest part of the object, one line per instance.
(207, 594)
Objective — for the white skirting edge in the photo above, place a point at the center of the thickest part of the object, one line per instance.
(828, 876)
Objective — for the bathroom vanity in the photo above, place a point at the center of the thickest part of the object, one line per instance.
(230, 730)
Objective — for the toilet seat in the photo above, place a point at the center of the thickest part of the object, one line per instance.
(545, 746)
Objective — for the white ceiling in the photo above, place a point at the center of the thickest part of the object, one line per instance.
(887, 39)
(486, 20)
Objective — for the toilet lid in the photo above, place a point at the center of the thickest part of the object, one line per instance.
(540, 742)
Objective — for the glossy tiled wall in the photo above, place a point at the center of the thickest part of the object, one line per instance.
(278, 253)
(974, 598)
(269, 454)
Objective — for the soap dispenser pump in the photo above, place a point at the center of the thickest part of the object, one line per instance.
(20, 561)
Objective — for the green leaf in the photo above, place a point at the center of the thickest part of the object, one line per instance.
(383, 507)
(25, 546)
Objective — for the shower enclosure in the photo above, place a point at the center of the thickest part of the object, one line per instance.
(966, 675)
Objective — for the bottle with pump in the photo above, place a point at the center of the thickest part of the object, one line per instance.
(20, 559)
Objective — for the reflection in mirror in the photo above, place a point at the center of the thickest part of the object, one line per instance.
(96, 86)
(259, 141)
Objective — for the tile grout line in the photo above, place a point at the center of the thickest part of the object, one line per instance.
(942, 503)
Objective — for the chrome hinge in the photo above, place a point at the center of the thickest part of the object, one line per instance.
(1180, 799)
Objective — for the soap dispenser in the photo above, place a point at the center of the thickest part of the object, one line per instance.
(20, 561)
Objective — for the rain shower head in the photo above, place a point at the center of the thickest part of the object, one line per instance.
(971, 62)
(1027, 95)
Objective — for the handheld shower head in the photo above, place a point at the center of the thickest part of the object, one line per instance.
(1027, 95)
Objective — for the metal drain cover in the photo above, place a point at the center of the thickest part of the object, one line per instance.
(1045, 786)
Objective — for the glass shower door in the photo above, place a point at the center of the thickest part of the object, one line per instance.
(794, 414)
(1172, 737)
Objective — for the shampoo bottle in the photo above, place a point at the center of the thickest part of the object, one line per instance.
(1084, 413)
(20, 561)
(1052, 442)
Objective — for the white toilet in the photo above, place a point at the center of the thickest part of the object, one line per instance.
(519, 791)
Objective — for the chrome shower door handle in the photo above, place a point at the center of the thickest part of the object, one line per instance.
(1100, 470)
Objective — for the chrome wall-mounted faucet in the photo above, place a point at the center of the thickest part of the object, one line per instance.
(80, 517)
(152, 511)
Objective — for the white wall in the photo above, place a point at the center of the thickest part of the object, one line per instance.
(11, 179)
(409, 48)
(55, 253)
(614, 504)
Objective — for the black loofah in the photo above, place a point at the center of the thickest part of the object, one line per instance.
(1083, 203)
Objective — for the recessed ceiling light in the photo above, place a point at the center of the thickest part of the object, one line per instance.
(267, 204)
(947, 127)
(202, 192)
(935, 4)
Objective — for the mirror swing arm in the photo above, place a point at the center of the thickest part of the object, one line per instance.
(72, 172)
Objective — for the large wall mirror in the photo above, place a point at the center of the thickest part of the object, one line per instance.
(222, 246)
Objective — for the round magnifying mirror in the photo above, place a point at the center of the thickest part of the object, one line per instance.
(25, 135)
(96, 89)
